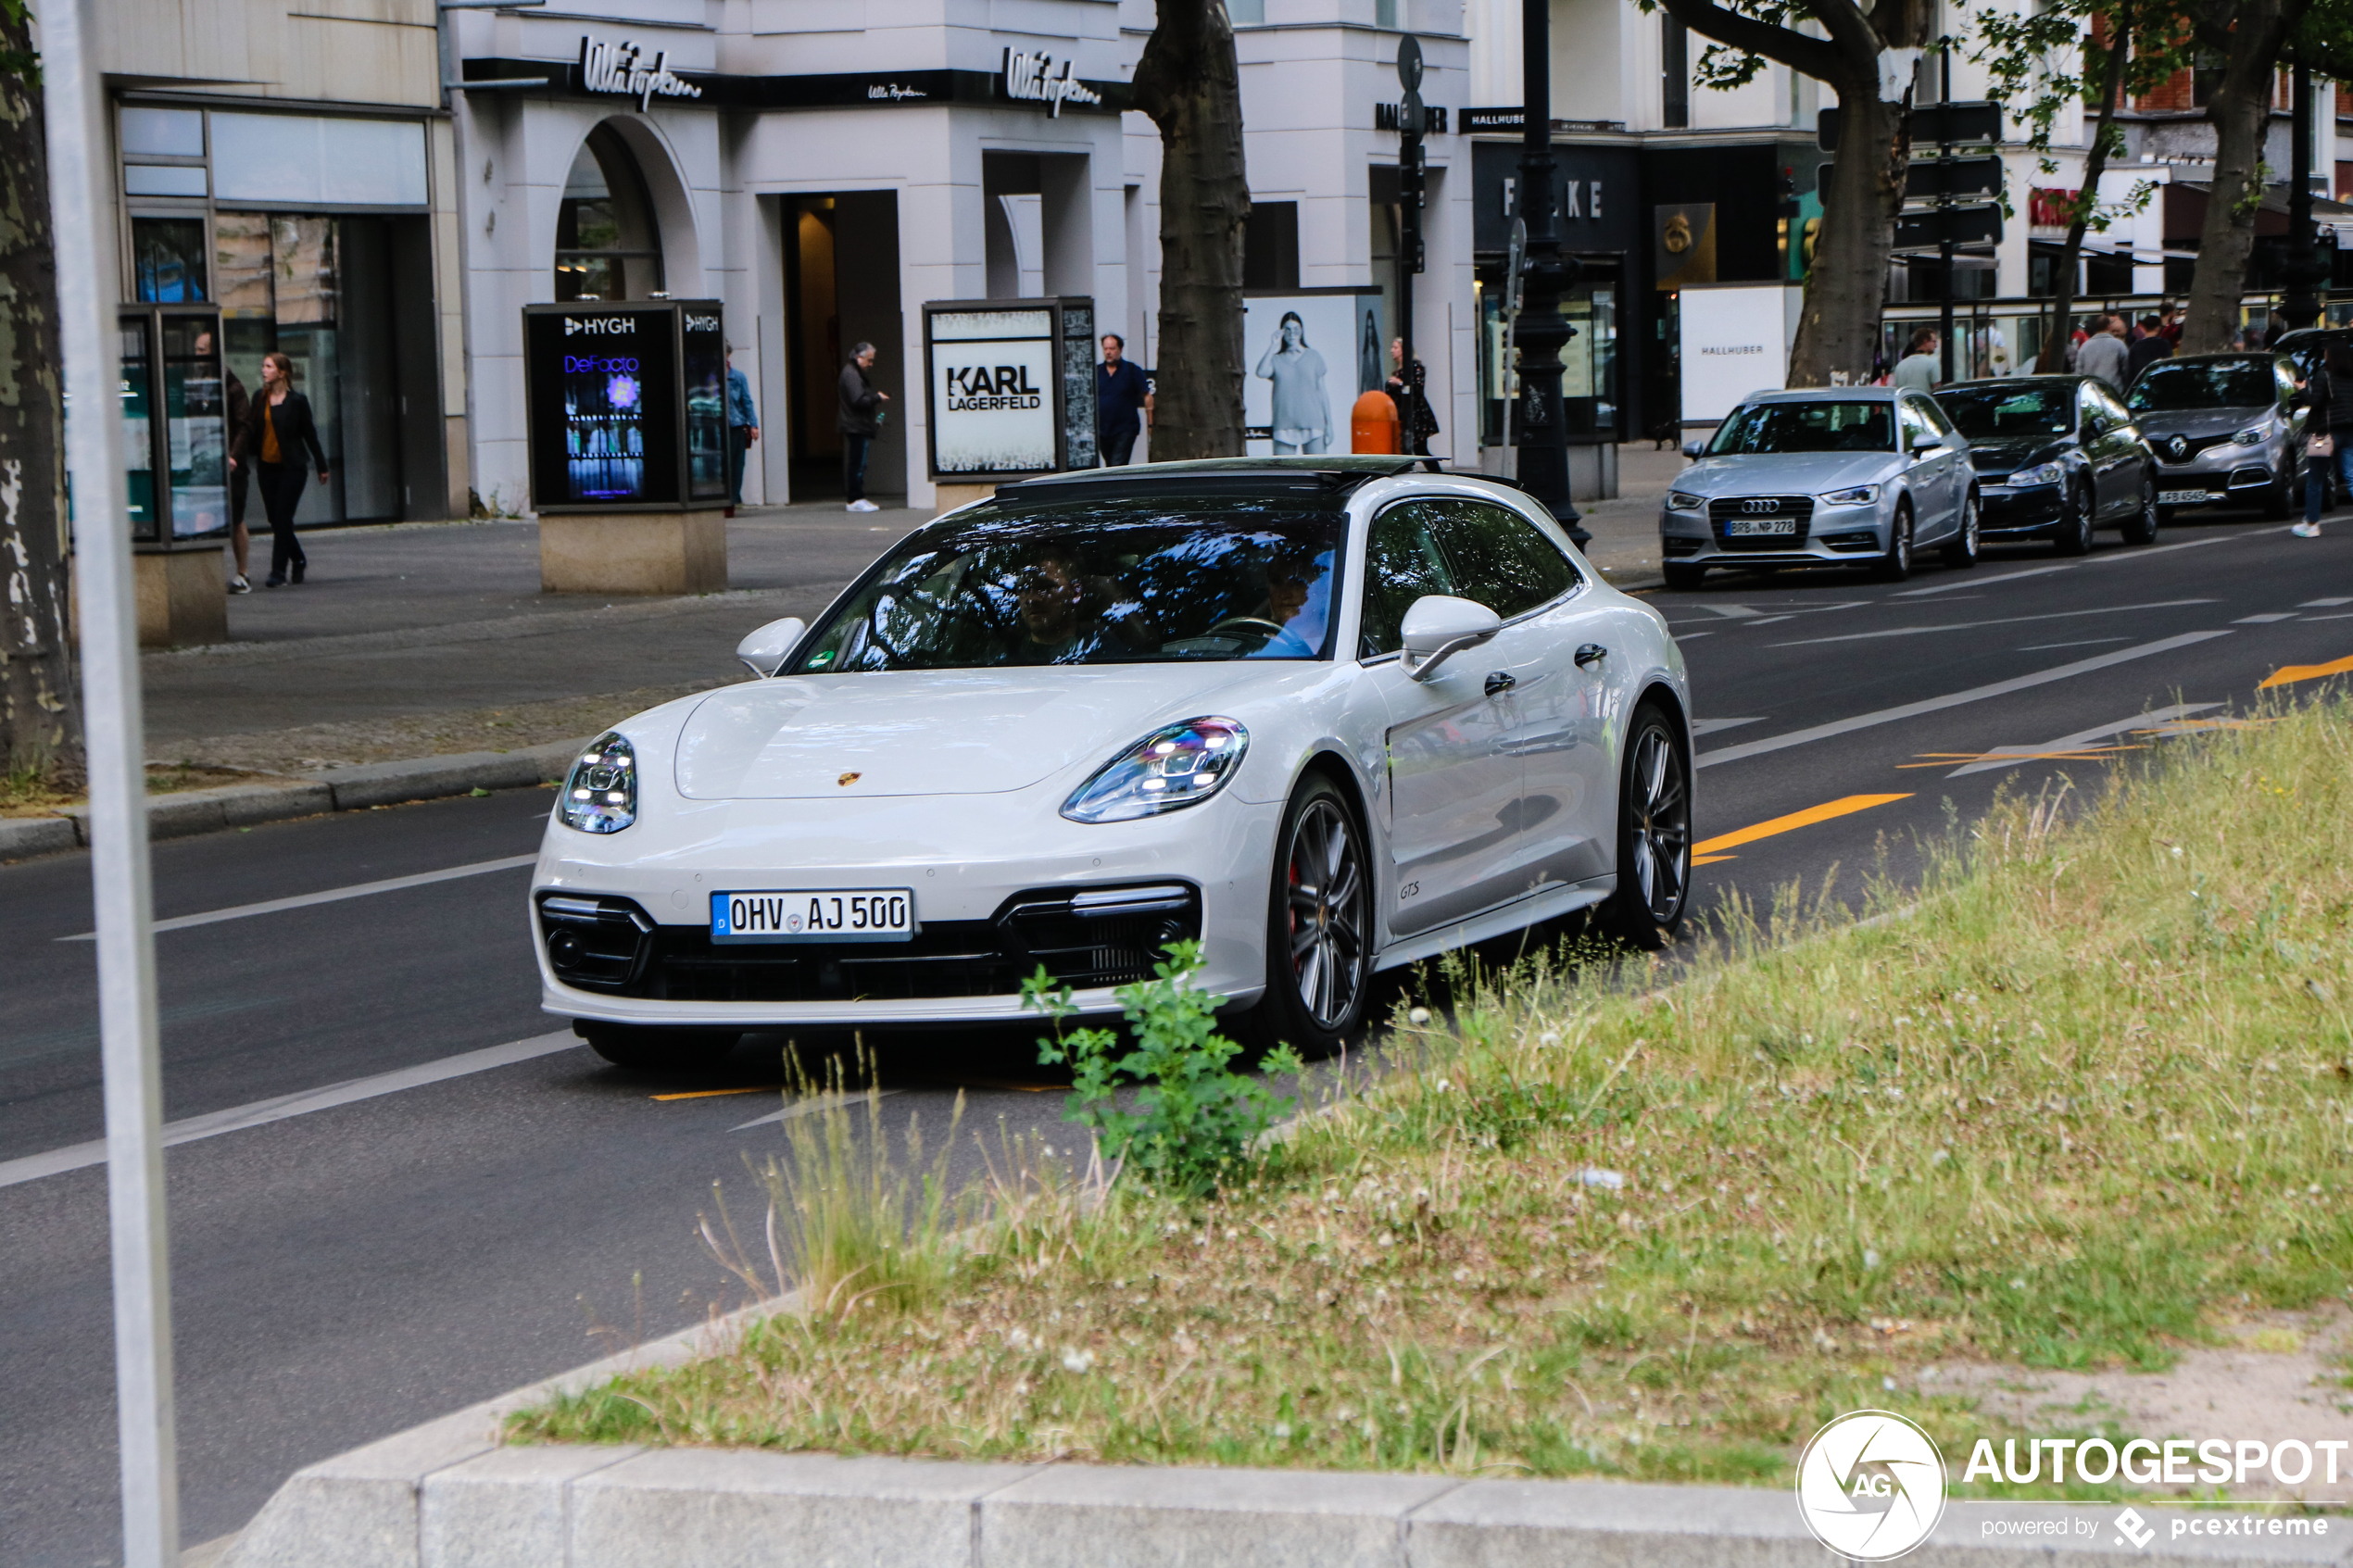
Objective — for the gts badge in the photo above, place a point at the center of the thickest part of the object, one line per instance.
(1408, 891)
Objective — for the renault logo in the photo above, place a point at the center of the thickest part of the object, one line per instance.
(2178, 449)
(1761, 503)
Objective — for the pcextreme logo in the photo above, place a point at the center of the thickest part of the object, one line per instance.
(1870, 1485)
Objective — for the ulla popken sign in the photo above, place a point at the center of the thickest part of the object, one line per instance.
(1031, 78)
(624, 71)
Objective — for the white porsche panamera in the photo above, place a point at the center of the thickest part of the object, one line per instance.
(1325, 716)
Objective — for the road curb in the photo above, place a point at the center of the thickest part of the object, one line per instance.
(192, 811)
(449, 1495)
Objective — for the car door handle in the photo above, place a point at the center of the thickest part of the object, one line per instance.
(1592, 653)
(1500, 681)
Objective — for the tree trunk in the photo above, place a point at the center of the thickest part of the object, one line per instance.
(1187, 81)
(2241, 110)
(2095, 165)
(40, 707)
(1838, 329)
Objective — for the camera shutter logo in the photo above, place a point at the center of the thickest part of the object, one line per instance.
(1870, 1485)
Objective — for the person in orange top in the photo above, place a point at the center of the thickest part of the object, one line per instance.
(277, 430)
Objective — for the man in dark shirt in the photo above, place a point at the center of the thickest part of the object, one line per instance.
(2150, 347)
(1122, 401)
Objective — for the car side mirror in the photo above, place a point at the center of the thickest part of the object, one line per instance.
(1927, 441)
(766, 650)
(1694, 449)
(1438, 626)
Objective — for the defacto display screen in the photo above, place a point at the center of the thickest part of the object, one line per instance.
(605, 403)
(703, 331)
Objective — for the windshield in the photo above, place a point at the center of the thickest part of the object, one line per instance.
(2211, 383)
(1986, 413)
(1807, 427)
(1124, 582)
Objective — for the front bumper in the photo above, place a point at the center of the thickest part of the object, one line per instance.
(993, 889)
(1827, 536)
(2013, 510)
(2228, 473)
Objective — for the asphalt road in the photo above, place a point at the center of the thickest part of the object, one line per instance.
(352, 1264)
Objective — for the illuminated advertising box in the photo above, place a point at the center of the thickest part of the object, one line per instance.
(628, 401)
(1011, 386)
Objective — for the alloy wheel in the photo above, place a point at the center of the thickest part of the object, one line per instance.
(1328, 902)
(1659, 825)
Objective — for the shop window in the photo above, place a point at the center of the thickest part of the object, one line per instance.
(300, 159)
(150, 132)
(167, 259)
(607, 244)
(1589, 361)
(1674, 73)
(1270, 246)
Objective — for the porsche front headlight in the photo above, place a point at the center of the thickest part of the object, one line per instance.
(2041, 473)
(1180, 765)
(601, 793)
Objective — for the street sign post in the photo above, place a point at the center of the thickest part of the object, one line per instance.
(1977, 223)
(1926, 179)
(1413, 121)
(1515, 261)
(1970, 124)
(81, 208)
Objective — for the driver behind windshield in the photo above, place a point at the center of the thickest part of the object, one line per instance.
(1048, 608)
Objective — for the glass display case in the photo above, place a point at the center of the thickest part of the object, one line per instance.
(176, 431)
(627, 405)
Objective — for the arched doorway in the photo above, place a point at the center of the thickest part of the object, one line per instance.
(608, 241)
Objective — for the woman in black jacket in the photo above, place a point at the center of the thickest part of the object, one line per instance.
(277, 431)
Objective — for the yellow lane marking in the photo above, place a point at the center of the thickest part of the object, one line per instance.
(1709, 852)
(1006, 1084)
(2069, 754)
(714, 1094)
(2288, 673)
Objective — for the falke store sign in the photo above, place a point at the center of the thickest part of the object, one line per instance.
(622, 70)
(1032, 79)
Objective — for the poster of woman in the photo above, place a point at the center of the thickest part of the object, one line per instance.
(1304, 353)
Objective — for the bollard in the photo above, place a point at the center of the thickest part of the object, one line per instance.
(1372, 424)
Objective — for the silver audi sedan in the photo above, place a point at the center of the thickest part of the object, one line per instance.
(1823, 476)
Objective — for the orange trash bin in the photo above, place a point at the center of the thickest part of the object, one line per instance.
(1372, 424)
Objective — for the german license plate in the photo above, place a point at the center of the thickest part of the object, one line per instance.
(853, 914)
(1741, 527)
(2181, 498)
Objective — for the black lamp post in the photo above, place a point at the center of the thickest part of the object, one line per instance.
(1541, 331)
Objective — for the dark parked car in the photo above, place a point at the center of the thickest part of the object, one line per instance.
(2225, 428)
(2057, 457)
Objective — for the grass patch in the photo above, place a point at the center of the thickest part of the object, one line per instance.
(2087, 1091)
(33, 793)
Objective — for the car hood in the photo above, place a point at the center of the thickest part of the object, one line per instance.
(2009, 456)
(2197, 421)
(945, 731)
(1788, 473)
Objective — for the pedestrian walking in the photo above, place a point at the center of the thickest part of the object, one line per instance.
(277, 431)
(859, 422)
(1122, 403)
(2104, 354)
(743, 430)
(1916, 371)
(2150, 348)
(239, 403)
(2328, 436)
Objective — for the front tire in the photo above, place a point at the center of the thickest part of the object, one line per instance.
(1896, 564)
(2279, 496)
(644, 1048)
(1683, 578)
(1653, 833)
(2074, 536)
(2142, 526)
(1961, 551)
(1319, 927)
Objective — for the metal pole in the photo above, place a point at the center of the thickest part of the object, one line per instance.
(81, 186)
(1543, 454)
(2301, 306)
(1944, 201)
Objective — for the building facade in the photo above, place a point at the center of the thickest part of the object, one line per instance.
(285, 182)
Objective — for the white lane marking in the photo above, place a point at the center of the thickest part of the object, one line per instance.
(74, 1157)
(1770, 619)
(1709, 726)
(2138, 553)
(2001, 620)
(810, 1104)
(2323, 604)
(1953, 699)
(1691, 636)
(2003, 755)
(1737, 612)
(2346, 617)
(333, 895)
(2266, 619)
(2085, 643)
